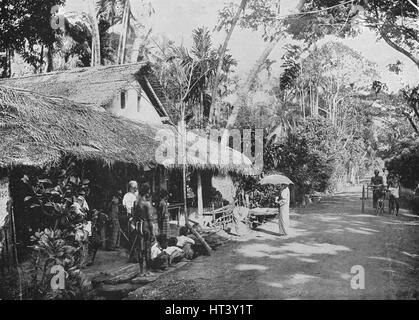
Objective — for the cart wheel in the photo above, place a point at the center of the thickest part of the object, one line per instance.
(254, 225)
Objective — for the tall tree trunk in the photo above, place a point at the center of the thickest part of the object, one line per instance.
(249, 85)
(136, 46)
(251, 78)
(317, 102)
(412, 123)
(311, 102)
(50, 59)
(185, 192)
(96, 59)
(201, 110)
(221, 55)
(41, 63)
(258, 66)
(124, 34)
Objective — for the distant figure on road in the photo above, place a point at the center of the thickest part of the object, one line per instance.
(284, 211)
(376, 183)
(394, 187)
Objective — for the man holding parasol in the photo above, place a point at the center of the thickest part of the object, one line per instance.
(283, 201)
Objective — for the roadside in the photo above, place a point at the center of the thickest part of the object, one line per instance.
(313, 262)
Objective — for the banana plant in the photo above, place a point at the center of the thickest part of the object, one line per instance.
(54, 199)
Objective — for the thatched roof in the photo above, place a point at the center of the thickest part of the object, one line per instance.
(91, 85)
(37, 130)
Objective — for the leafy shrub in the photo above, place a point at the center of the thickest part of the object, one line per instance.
(53, 197)
(306, 167)
(53, 248)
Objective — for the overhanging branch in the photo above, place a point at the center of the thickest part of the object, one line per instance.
(400, 49)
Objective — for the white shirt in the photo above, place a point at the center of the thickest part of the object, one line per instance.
(182, 240)
(394, 192)
(128, 201)
(155, 251)
(384, 179)
(172, 249)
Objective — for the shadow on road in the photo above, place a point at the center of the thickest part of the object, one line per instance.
(315, 260)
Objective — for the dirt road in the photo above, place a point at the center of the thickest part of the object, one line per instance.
(313, 262)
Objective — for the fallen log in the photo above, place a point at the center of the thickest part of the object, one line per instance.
(123, 270)
(144, 280)
(123, 277)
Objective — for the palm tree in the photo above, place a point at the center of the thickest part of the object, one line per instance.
(120, 11)
(96, 60)
(187, 75)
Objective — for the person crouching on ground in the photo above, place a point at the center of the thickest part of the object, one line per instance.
(185, 243)
(160, 259)
(175, 253)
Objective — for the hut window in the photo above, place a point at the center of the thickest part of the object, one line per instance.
(122, 99)
(138, 102)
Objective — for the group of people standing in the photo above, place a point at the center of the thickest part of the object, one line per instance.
(386, 185)
(151, 240)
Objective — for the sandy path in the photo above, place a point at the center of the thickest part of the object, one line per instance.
(313, 262)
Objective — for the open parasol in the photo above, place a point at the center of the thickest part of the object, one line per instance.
(276, 179)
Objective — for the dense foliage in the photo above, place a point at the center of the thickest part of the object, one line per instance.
(307, 167)
(405, 162)
(26, 28)
(57, 226)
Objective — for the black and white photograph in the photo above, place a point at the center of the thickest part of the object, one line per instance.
(226, 152)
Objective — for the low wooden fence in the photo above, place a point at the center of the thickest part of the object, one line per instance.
(222, 217)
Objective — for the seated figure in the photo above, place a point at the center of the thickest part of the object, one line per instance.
(185, 243)
(159, 257)
(175, 253)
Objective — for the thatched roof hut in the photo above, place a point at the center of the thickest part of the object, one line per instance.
(95, 86)
(37, 130)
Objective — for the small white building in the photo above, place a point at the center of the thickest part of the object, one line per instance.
(125, 90)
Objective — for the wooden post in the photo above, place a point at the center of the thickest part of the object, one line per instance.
(184, 150)
(163, 178)
(363, 198)
(199, 195)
